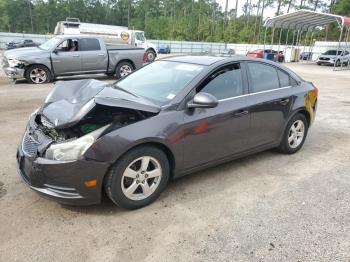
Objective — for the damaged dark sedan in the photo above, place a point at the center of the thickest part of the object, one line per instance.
(170, 118)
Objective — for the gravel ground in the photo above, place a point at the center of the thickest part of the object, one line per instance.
(266, 207)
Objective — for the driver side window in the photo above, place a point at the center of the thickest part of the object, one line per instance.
(68, 45)
(225, 83)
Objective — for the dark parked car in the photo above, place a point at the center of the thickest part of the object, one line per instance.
(20, 43)
(168, 119)
(305, 56)
(164, 49)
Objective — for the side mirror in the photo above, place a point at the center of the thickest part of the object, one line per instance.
(55, 51)
(203, 100)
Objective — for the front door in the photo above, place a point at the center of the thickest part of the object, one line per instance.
(66, 58)
(215, 133)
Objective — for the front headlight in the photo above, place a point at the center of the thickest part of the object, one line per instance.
(75, 149)
(14, 62)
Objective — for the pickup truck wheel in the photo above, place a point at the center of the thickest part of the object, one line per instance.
(151, 55)
(38, 74)
(123, 69)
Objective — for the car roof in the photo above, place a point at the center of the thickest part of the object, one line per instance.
(200, 60)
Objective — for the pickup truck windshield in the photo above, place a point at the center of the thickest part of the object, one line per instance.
(160, 81)
(51, 44)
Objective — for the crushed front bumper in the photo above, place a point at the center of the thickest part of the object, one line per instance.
(63, 181)
(14, 72)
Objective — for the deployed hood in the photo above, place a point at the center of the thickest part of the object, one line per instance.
(22, 53)
(70, 101)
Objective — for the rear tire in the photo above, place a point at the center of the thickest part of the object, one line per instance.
(294, 135)
(151, 55)
(131, 184)
(123, 69)
(38, 74)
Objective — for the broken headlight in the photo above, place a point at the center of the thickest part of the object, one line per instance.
(73, 150)
(15, 62)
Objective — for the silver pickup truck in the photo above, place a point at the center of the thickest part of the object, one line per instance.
(71, 55)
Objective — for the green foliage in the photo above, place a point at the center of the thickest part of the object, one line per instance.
(192, 20)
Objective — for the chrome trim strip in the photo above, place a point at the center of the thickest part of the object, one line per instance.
(250, 94)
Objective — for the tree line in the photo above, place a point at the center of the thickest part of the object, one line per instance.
(190, 20)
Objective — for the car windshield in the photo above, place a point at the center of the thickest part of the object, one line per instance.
(51, 44)
(140, 36)
(160, 81)
(332, 52)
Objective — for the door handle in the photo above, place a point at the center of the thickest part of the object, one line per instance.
(241, 113)
(284, 101)
(101, 54)
(76, 55)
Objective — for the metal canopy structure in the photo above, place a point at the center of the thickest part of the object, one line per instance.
(306, 21)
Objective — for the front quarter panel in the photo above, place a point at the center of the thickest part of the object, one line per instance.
(164, 128)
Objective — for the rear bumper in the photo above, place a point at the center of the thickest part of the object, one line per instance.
(63, 181)
(14, 72)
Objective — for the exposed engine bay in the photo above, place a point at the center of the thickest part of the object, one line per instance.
(99, 116)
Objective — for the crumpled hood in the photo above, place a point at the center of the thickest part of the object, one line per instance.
(70, 101)
(23, 53)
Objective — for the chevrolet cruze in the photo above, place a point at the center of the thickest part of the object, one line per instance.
(168, 119)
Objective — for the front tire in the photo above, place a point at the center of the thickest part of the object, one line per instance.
(294, 135)
(138, 178)
(38, 74)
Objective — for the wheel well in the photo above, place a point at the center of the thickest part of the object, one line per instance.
(167, 152)
(125, 60)
(151, 48)
(307, 116)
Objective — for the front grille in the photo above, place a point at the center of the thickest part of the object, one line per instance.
(29, 145)
(324, 58)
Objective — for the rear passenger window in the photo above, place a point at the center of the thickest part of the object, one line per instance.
(89, 44)
(284, 78)
(225, 83)
(263, 77)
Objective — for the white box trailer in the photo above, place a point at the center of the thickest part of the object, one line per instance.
(112, 35)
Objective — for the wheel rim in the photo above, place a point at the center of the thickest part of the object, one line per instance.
(150, 56)
(38, 75)
(125, 70)
(296, 134)
(141, 178)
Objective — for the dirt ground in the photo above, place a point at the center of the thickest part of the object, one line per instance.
(266, 207)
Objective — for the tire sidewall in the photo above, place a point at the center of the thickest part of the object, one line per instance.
(284, 146)
(47, 71)
(154, 55)
(113, 181)
(117, 70)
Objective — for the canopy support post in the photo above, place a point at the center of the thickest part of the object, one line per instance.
(279, 42)
(340, 38)
(265, 38)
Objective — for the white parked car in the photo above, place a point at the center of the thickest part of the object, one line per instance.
(332, 57)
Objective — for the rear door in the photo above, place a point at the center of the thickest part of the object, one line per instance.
(221, 131)
(93, 55)
(66, 59)
(270, 100)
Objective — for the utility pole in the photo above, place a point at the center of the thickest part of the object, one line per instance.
(30, 14)
(225, 20)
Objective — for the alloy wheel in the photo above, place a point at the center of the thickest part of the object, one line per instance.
(38, 75)
(125, 70)
(141, 178)
(296, 134)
